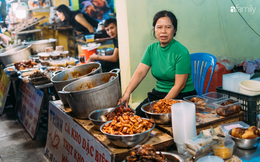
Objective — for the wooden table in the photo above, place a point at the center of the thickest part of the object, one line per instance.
(208, 119)
(160, 140)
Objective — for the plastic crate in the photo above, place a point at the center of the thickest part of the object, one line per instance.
(249, 104)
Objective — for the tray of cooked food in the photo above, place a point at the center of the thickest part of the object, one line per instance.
(147, 153)
(160, 110)
(227, 107)
(36, 77)
(200, 102)
(62, 62)
(25, 65)
(245, 138)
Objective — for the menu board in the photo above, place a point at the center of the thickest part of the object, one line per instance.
(68, 141)
(28, 106)
(4, 88)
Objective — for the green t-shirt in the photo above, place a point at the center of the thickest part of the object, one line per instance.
(167, 61)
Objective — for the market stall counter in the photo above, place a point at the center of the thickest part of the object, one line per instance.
(207, 120)
(71, 139)
(244, 155)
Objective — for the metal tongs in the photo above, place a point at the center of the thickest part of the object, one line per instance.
(151, 108)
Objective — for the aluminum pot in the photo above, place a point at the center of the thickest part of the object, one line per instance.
(18, 53)
(61, 79)
(40, 45)
(91, 93)
(3, 50)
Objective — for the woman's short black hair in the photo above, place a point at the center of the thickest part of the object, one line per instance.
(109, 21)
(165, 13)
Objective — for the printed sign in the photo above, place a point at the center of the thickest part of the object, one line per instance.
(28, 105)
(67, 141)
(97, 9)
(4, 88)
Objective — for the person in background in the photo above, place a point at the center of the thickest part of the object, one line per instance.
(6, 39)
(82, 23)
(169, 62)
(109, 62)
(2, 10)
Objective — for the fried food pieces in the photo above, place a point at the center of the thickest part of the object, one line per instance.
(250, 133)
(146, 152)
(24, 65)
(228, 107)
(126, 124)
(200, 103)
(163, 106)
(120, 111)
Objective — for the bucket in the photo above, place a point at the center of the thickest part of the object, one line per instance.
(250, 87)
(89, 50)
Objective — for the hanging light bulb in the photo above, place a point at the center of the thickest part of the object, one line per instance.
(21, 10)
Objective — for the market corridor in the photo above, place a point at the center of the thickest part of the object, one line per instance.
(16, 145)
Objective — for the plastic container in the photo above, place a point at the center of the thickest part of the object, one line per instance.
(82, 59)
(250, 87)
(214, 97)
(225, 151)
(200, 104)
(90, 38)
(183, 123)
(210, 159)
(64, 54)
(250, 105)
(48, 49)
(89, 50)
(60, 48)
(55, 55)
(44, 56)
(231, 81)
(227, 107)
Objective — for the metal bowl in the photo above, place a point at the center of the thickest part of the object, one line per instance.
(94, 115)
(159, 118)
(170, 157)
(245, 143)
(128, 140)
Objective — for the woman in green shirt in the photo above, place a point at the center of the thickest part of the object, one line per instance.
(169, 62)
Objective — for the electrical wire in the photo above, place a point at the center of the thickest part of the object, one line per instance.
(244, 19)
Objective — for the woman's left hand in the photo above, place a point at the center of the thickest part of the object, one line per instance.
(93, 57)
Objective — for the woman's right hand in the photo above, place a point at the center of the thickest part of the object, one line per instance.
(125, 98)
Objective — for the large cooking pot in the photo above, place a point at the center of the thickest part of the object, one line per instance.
(65, 77)
(40, 45)
(3, 50)
(15, 54)
(91, 93)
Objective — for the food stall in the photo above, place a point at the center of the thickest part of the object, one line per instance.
(74, 137)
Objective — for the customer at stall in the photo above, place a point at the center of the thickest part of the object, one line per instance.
(82, 23)
(109, 62)
(169, 62)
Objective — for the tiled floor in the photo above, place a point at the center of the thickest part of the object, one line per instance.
(16, 145)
